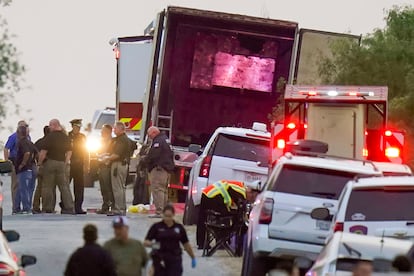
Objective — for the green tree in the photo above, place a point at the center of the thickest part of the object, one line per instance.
(383, 57)
(11, 69)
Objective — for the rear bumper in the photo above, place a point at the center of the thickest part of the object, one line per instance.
(263, 245)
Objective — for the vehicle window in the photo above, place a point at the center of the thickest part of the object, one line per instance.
(310, 181)
(105, 119)
(242, 148)
(380, 205)
(346, 264)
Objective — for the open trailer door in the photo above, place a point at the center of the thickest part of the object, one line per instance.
(313, 46)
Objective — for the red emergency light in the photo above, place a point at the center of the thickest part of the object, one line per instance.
(392, 152)
(281, 144)
(117, 53)
(291, 126)
(388, 133)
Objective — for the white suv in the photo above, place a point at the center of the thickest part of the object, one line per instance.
(377, 206)
(280, 225)
(231, 153)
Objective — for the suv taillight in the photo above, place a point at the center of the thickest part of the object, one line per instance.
(5, 269)
(266, 211)
(205, 166)
(338, 227)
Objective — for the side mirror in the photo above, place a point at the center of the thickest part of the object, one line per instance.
(194, 148)
(11, 235)
(321, 214)
(27, 260)
(255, 185)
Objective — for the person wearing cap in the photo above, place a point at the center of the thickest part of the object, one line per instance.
(91, 259)
(10, 153)
(164, 238)
(55, 155)
(78, 163)
(129, 255)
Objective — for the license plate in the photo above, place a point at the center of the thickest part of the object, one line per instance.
(251, 177)
(323, 225)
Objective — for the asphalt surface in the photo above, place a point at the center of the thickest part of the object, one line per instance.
(53, 237)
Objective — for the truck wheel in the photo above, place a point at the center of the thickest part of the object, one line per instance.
(253, 266)
(190, 216)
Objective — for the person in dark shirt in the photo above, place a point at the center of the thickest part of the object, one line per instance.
(164, 238)
(118, 158)
(38, 192)
(56, 150)
(25, 160)
(160, 164)
(10, 152)
(91, 259)
(78, 163)
(104, 171)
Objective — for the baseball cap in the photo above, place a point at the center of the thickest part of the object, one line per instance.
(120, 221)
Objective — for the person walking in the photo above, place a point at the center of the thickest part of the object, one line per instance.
(104, 172)
(56, 150)
(38, 191)
(10, 153)
(118, 159)
(91, 259)
(164, 238)
(129, 255)
(160, 164)
(78, 163)
(25, 161)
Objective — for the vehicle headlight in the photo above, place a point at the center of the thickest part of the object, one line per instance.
(93, 144)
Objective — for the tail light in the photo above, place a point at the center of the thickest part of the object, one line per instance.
(338, 227)
(392, 152)
(5, 269)
(205, 166)
(266, 211)
(365, 152)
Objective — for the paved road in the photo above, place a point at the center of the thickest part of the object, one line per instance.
(52, 238)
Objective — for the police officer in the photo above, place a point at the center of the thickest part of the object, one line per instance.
(164, 238)
(160, 164)
(221, 196)
(91, 259)
(79, 162)
(118, 158)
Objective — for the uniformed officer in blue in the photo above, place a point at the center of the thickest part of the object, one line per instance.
(160, 164)
(164, 238)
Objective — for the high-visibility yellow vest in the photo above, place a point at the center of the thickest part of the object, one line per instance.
(221, 187)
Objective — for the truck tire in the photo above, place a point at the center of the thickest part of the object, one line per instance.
(191, 212)
(253, 266)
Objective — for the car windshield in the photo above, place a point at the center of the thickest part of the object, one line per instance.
(242, 148)
(105, 119)
(388, 204)
(311, 181)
